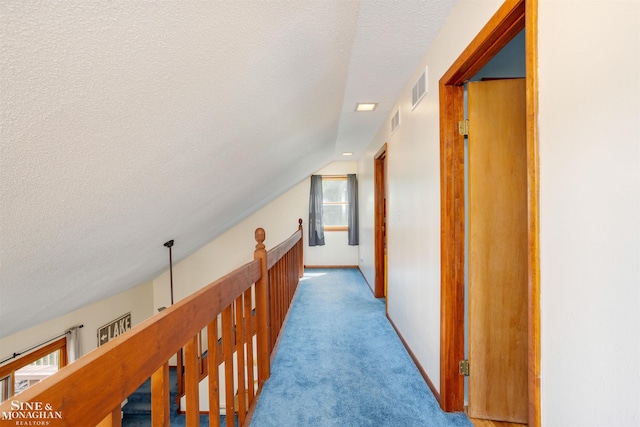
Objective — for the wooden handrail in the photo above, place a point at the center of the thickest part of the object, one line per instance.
(275, 254)
(87, 390)
(91, 389)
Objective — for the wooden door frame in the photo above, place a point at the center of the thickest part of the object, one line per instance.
(379, 184)
(509, 20)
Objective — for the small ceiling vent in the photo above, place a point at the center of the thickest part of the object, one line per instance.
(395, 121)
(419, 89)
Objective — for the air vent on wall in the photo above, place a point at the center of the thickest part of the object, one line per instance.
(419, 89)
(395, 121)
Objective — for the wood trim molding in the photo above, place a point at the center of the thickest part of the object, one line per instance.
(424, 374)
(59, 344)
(505, 24)
(330, 266)
(330, 228)
(533, 200)
(379, 185)
(452, 249)
(509, 20)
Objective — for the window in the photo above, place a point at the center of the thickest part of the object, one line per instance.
(22, 373)
(335, 203)
(333, 206)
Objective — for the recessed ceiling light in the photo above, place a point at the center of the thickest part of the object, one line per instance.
(366, 106)
(347, 153)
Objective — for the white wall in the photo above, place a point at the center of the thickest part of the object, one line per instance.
(589, 70)
(336, 250)
(366, 202)
(413, 161)
(137, 300)
(589, 212)
(235, 247)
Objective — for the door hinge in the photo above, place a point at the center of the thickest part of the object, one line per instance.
(464, 367)
(463, 127)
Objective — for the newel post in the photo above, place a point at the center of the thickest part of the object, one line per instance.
(301, 254)
(262, 309)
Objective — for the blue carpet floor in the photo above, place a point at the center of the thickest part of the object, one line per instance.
(340, 363)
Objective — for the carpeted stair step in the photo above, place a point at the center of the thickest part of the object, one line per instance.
(136, 420)
(137, 411)
(137, 408)
(139, 402)
(142, 394)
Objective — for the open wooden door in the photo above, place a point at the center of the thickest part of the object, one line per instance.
(498, 251)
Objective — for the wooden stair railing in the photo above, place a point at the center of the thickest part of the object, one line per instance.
(285, 267)
(89, 391)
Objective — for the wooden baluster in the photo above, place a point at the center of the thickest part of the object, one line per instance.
(248, 333)
(291, 267)
(240, 360)
(180, 372)
(296, 278)
(278, 290)
(294, 273)
(280, 293)
(191, 380)
(160, 400)
(114, 419)
(300, 250)
(287, 283)
(283, 291)
(285, 300)
(214, 381)
(199, 349)
(227, 349)
(262, 308)
(273, 298)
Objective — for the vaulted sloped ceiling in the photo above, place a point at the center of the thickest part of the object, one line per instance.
(125, 124)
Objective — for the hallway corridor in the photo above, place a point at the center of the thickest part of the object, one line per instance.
(340, 363)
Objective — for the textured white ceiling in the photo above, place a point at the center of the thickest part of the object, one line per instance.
(126, 124)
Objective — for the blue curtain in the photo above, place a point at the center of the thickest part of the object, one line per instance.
(352, 197)
(316, 227)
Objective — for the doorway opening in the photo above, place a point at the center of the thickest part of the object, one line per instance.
(500, 161)
(508, 21)
(380, 222)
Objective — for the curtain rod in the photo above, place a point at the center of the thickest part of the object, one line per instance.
(15, 355)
